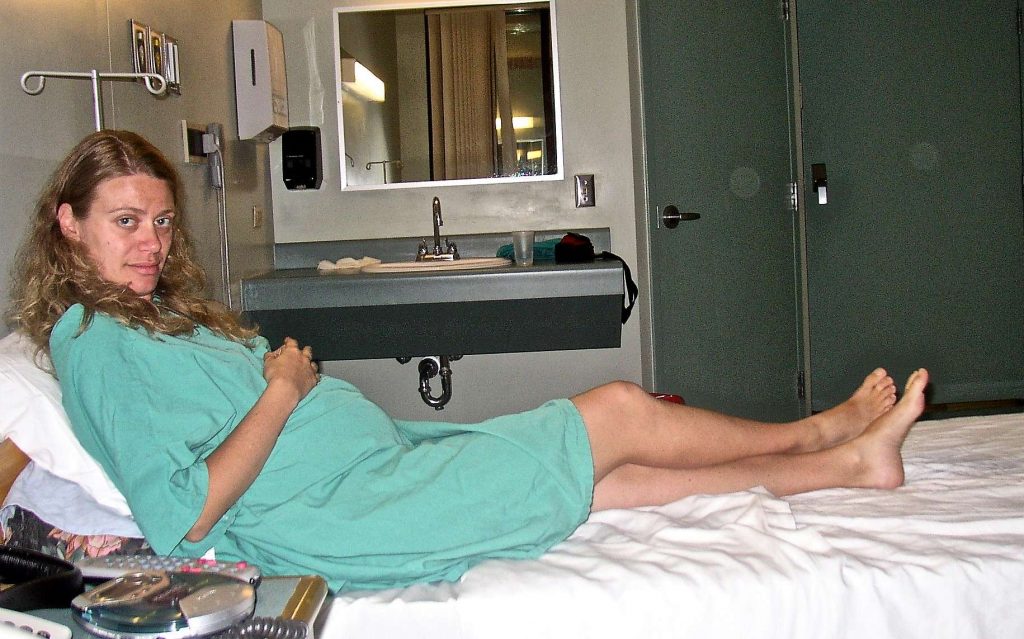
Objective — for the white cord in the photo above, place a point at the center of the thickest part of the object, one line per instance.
(222, 216)
(212, 150)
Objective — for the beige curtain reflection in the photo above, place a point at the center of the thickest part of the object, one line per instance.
(469, 86)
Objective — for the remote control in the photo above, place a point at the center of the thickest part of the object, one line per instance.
(113, 566)
(41, 628)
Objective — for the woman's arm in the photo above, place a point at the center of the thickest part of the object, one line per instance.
(235, 464)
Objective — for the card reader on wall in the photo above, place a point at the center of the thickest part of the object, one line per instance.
(261, 90)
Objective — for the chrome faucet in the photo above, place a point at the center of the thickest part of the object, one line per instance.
(438, 223)
(449, 251)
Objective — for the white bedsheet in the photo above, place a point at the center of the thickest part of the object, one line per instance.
(941, 557)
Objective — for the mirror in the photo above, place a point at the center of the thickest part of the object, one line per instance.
(424, 93)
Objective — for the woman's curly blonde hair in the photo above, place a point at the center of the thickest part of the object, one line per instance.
(53, 273)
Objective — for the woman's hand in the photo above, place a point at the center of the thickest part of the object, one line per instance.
(291, 366)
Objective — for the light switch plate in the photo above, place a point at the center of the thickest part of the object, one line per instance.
(584, 190)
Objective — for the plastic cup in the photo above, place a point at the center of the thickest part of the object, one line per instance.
(522, 247)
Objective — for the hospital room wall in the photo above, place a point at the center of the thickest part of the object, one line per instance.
(81, 35)
(593, 58)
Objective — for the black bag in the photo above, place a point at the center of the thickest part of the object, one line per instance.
(575, 248)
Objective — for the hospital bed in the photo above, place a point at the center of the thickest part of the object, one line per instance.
(943, 556)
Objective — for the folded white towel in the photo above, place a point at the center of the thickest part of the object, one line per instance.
(346, 263)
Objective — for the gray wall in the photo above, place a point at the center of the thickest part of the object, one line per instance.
(594, 61)
(80, 35)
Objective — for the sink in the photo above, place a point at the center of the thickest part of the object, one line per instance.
(391, 313)
(465, 263)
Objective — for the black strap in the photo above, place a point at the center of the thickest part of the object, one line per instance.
(631, 289)
(39, 580)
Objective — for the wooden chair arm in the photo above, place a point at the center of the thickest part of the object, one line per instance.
(12, 462)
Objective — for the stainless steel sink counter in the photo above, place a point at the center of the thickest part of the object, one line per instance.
(489, 310)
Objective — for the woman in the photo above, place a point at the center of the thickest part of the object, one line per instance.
(218, 442)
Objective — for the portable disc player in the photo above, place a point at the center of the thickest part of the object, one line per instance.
(171, 605)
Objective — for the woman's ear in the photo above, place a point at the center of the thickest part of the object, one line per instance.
(67, 221)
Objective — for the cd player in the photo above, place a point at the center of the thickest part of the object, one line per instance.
(171, 605)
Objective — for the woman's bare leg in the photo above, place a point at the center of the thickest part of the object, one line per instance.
(870, 460)
(627, 426)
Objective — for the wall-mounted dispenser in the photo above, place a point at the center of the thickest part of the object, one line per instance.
(301, 163)
(261, 89)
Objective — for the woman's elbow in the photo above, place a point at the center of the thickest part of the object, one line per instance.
(198, 532)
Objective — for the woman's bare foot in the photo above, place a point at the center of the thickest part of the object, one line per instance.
(879, 461)
(841, 423)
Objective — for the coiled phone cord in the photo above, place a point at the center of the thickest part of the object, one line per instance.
(265, 628)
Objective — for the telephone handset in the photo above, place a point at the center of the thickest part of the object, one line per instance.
(19, 625)
(31, 580)
(35, 580)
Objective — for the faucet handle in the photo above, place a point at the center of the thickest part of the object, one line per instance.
(421, 250)
(453, 250)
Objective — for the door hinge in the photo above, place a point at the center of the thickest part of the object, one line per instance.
(794, 201)
(801, 386)
(785, 10)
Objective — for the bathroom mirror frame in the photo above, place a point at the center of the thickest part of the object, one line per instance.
(345, 160)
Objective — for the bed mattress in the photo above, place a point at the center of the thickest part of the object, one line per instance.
(943, 556)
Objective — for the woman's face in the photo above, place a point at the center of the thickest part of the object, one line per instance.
(127, 230)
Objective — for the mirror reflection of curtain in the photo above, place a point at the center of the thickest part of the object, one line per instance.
(469, 86)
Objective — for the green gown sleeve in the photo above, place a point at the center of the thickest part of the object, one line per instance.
(126, 405)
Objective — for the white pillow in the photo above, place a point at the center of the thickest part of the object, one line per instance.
(34, 419)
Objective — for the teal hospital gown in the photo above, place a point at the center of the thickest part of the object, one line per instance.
(348, 493)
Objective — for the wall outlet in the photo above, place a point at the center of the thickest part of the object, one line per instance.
(585, 190)
(192, 142)
(257, 217)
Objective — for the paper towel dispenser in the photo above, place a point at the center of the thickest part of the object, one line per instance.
(261, 89)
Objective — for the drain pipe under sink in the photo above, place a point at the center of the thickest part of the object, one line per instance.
(430, 367)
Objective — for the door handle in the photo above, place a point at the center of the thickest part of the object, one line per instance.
(671, 217)
(819, 182)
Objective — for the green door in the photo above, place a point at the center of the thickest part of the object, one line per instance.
(917, 258)
(716, 126)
